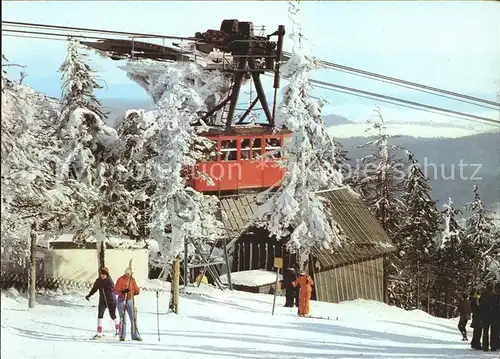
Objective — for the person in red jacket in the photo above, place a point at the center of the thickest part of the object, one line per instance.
(305, 282)
(125, 287)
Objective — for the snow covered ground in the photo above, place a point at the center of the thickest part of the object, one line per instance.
(215, 324)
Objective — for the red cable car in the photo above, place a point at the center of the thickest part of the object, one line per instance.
(247, 155)
(247, 158)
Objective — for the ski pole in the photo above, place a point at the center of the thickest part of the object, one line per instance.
(158, 314)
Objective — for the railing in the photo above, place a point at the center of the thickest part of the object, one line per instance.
(20, 282)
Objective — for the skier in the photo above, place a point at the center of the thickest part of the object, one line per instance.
(107, 299)
(289, 276)
(124, 285)
(465, 311)
(306, 283)
(476, 323)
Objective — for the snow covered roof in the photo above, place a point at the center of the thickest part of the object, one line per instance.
(66, 240)
(366, 238)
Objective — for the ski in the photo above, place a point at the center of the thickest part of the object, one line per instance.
(104, 338)
(324, 318)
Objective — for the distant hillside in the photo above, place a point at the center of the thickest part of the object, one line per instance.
(480, 151)
(441, 158)
(335, 120)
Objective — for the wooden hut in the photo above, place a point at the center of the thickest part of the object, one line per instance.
(356, 270)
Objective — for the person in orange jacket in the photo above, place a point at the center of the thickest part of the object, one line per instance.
(124, 292)
(305, 282)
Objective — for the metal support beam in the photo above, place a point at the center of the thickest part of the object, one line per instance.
(216, 108)
(247, 112)
(260, 92)
(206, 265)
(209, 267)
(228, 270)
(235, 91)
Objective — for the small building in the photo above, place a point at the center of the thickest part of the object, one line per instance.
(355, 270)
(63, 259)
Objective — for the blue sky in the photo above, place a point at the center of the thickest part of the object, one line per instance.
(451, 45)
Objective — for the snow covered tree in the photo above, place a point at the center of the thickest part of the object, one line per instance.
(78, 82)
(454, 269)
(482, 233)
(380, 181)
(91, 148)
(34, 199)
(311, 164)
(135, 132)
(178, 214)
(418, 233)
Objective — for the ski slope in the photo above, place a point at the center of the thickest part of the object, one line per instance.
(227, 325)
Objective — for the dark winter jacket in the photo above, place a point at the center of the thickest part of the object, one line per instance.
(106, 289)
(476, 315)
(289, 276)
(496, 309)
(487, 304)
(464, 309)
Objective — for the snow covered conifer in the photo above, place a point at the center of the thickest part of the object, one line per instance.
(78, 83)
(482, 232)
(133, 175)
(311, 164)
(455, 262)
(176, 208)
(418, 232)
(33, 196)
(380, 179)
(90, 148)
(421, 225)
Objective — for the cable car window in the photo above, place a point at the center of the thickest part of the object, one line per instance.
(245, 149)
(256, 148)
(228, 150)
(273, 145)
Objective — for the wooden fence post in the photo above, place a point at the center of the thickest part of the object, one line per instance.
(175, 285)
(32, 268)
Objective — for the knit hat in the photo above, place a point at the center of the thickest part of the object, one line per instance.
(104, 270)
(127, 271)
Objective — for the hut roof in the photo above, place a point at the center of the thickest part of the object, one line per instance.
(365, 236)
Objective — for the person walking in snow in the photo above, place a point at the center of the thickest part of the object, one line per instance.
(104, 284)
(495, 319)
(126, 286)
(487, 312)
(465, 311)
(289, 276)
(476, 323)
(306, 283)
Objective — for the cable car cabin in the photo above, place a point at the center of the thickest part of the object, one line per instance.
(246, 158)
